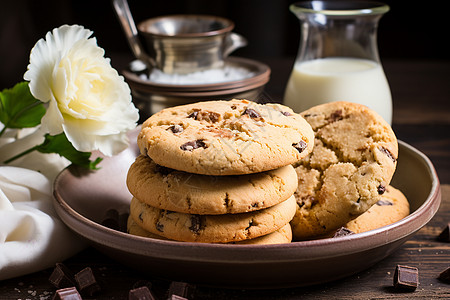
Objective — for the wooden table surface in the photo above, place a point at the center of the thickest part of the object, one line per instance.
(421, 96)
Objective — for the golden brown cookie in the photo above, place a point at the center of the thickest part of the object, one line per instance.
(226, 137)
(280, 236)
(212, 228)
(352, 163)
(179, 191)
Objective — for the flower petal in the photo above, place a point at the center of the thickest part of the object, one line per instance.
(47, 53)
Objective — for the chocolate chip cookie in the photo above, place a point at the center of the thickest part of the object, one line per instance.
(212, 228)
(280, 236)
(183, 192)
(353, 161)
(226, 137)
(392, 207)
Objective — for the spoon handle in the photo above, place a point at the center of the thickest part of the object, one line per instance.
(129, 27)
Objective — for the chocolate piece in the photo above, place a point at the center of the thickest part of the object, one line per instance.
(180, 290)
(251, 113)
(163, 170)
(196, 223)
(62, 277)
(176, 128)
(444, 236)
(141, 293)
(286, 113)
(208, 116)
(86, 282)
(189, 146)
(381, 189)
(159, 227)
(111, 219)
(343, 231)
(194, 114)
(406, 278)
(70, 293)
(388, 153)
(384, 203)
(335, 116)
(445, 276)
(300, 146)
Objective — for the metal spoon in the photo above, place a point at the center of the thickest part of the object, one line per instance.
(129, 27)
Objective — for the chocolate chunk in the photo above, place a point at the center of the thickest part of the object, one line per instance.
(406, 278)
(250, 224)
(381, 189)
(141, 293)
(194, 114)
(300, 146)
(444, 236)
(176, 128)
(163, 170)
(233, 107)
(70, 293)
(336, 116)
(111, 219)
(286, 113)
(343, 231)
(86, 282)
(445, 276)
(251, 113)
(159, 227)
(208, 116)
(182, 290)
(388, 153)
(189, 146)
(62, 277)
(384, 203)
(196, 223)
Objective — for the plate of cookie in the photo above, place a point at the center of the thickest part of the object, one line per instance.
(245, 195)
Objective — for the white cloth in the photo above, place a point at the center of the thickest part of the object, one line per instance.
(32, 237)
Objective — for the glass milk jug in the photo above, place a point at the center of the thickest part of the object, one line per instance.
(338, 56)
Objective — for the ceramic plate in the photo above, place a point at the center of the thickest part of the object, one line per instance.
(82, 198)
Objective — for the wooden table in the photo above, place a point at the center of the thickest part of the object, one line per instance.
(421, 95)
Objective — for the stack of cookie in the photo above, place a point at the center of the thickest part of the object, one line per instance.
(347, 173)
(218, 172)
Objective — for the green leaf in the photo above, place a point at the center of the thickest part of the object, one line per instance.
(61, 145)
(18, 108)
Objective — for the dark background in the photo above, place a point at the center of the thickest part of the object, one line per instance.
(407, 31)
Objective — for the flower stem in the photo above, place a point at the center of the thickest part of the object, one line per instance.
(20, 155)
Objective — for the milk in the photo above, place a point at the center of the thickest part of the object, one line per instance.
(339, 79)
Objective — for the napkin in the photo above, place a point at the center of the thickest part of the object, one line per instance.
(32, 237)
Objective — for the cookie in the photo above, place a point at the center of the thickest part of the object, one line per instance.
(280, 236)
(392, 207)
(179, 191)
(226, 137)
(212, 228)
(354, 158)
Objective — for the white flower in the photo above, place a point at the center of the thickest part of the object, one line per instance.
(87, 99)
